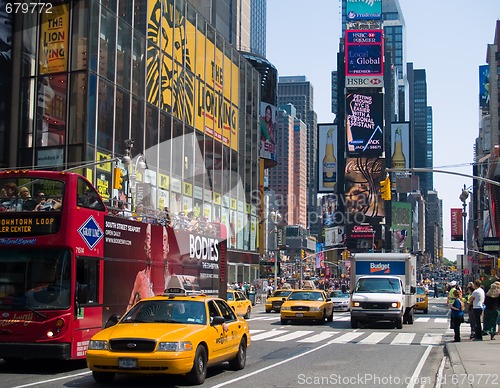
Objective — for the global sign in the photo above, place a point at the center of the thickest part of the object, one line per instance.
(364, 53)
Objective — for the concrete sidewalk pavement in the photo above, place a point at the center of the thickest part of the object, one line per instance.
(470, 364)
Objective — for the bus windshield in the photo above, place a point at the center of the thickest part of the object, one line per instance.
(35, 279)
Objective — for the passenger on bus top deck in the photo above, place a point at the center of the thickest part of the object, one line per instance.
(24, 192)
(48, 203)
(9, 190)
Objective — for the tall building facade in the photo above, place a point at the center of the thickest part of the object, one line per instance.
(299, 92)
(96, 77)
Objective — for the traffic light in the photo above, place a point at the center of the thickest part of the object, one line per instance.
(117, 178)
(385, 189)
(303, 253)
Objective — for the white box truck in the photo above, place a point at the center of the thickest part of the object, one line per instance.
(382, 288)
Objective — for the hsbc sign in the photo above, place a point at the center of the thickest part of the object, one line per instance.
(364, 82)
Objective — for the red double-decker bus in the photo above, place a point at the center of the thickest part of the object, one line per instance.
(68, 266)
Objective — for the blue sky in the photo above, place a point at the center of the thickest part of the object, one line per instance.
(446, 38)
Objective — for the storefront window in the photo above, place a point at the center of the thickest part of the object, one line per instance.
(51, 110)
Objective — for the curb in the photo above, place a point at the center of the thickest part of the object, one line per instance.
(456, 362)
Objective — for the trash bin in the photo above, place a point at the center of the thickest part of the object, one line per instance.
(251, 296)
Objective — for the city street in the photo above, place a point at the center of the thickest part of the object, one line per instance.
(295, 356)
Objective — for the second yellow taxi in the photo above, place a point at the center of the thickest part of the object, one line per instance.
(170, 334)
(275, 300)
(241, 305)
(302, 305)
(422, 300)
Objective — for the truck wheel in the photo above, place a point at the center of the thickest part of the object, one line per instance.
(399, 323)
(354, 323)
(410, 317)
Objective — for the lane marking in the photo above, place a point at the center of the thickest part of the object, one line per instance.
(343, 339)
(374, 338)
(414, 378)
(268, 334)
(292, 335)
(403, 339)
(318, 337)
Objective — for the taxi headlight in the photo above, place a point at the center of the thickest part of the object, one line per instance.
(314, 308)
(180, 346)
(285, 308)
(356, 304)
(396, 305)
(98, 345)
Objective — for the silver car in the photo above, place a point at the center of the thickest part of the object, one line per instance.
(340, 300)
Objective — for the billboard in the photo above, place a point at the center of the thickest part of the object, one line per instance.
(400, 149)
(327, 158)
(362, 189)
(364, 52)
(192, 78)
(401, 224)
(268, 127)
(484, 86)
(54, 39)
(457, 229)
(364, 123)
(363, 10)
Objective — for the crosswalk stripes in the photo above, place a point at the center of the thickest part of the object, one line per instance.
(347, 318)
(355, 337)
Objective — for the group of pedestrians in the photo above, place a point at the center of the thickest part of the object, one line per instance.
(482, 309)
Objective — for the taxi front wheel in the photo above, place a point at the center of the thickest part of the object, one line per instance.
(239, 361)
(199, 372)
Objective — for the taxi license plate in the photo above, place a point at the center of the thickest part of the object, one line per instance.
(127, 363)
(299, 315)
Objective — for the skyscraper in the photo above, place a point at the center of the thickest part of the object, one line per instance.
(298, 91)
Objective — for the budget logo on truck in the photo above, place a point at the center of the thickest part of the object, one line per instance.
(378, 268)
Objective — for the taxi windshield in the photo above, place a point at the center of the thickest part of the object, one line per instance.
(167, 311)
(315, 296)
(281, 293)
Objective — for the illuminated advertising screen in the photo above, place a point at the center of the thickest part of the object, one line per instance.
(364, 123)
(363, 10)
(364, 52)
(484, 86)
(327, 158)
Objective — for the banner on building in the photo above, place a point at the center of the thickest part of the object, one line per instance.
(54, 38)
(457, 229)
(363, 10)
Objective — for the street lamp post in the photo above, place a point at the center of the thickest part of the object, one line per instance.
(463, 197)
(275, 216)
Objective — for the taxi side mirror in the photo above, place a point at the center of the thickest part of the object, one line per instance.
(283, 299)
(218, 320)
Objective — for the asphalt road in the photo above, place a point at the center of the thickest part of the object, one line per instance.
(297, 355)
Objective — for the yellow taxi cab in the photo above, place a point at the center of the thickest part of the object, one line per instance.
(173, 333)
(241, 305)
(275, 300)
(422, 303)
(307, 304)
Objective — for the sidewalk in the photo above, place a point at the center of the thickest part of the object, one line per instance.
(471, 364)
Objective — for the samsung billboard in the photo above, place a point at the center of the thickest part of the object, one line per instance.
(364, 124)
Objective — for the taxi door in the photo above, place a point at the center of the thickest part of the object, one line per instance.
(233, 325)
(216, 335)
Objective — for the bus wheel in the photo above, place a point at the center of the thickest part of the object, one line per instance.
(103, 377)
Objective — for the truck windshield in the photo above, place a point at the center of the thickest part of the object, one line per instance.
(35, 279)
(379, 285)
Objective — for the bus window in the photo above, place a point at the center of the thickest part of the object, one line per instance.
(87, 196)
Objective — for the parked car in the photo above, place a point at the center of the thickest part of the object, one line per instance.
(170, 334)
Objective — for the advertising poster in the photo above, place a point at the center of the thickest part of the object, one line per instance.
(364, 54)
(364, 123)
(484, 86)
(401, 224)
(54, 40)
(400, 149)
(327, 158)
(329, 204)
(362, 185)
(457, 228)
(363, 10)
(268, 127)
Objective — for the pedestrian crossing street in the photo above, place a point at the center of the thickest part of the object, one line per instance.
(360, 337)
